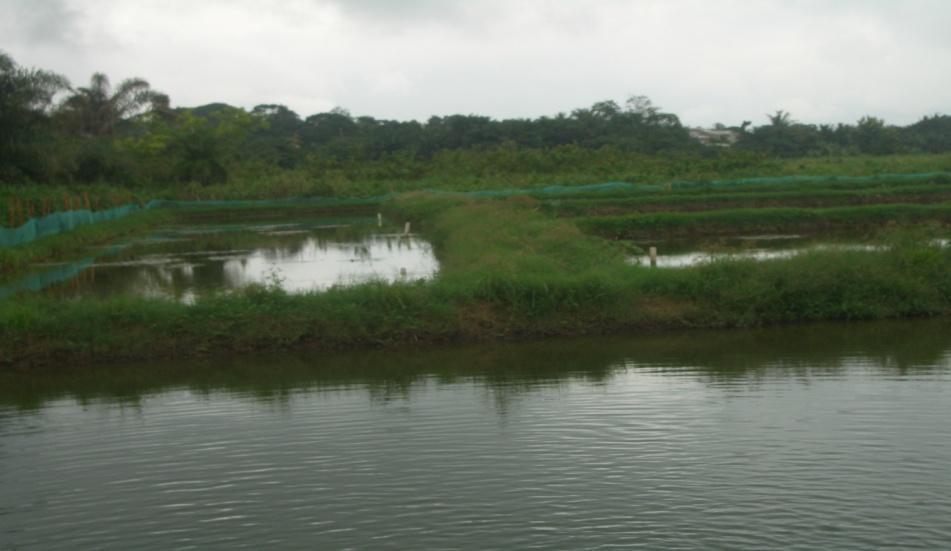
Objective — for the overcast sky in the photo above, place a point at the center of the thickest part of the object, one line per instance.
(705, 60)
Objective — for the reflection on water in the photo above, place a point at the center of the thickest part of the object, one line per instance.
(681, 254)
(819, 437)
(684, 260)
(296, 263)
(186, 261)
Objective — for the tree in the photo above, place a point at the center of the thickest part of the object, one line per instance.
(781, 119)
(26, 96)
(930, 134)
(873, 137)
(783, 137)
(277, 140)
(202, 148)
(97, 109)
(605, 110)
(641, 105)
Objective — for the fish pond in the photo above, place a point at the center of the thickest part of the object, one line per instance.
(810, 437)
(684, 253)
(219, 252)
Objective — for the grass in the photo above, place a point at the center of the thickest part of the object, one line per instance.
(463, 170)
(508, 270)
(910, 278)
(763, 220)
(799, 196)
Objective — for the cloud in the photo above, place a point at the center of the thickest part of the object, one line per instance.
(725, 61)
(39, 23)
(404, 10)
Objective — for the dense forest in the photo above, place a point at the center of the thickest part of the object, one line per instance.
(52, 132)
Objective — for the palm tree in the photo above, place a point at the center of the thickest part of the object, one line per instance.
(97, 109)
(25, 98)
(27, 89)
(781, 119)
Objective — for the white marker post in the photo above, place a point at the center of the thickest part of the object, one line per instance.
(406, 229)
(379, 219)
(652, 252)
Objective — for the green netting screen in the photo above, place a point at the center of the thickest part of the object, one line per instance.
(61, 222)
(294, 201)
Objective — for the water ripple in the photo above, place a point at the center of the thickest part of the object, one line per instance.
(658, 456)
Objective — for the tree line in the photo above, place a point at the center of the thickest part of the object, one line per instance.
(53, 132)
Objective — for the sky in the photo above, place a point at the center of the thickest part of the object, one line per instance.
(707, 61)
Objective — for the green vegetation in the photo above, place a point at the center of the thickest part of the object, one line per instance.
(100, 143)
(508, 271)
(802, 196)
(510, 267)
(764, 220)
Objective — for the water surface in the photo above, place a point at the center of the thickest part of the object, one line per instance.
(691, 252)
(223, 252)
(817, 437)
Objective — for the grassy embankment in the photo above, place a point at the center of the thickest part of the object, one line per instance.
(764, 220)
(508, 270)
(827, 195)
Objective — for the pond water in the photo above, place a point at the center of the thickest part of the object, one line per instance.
(211, 254)
(685, 253)
(812, 437)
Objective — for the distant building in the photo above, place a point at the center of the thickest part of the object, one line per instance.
(720, 137)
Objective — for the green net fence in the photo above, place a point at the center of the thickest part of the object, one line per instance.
(61, 222)
(258, 203)
(799, 180)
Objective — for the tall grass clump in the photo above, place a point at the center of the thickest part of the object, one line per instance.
(909, 277)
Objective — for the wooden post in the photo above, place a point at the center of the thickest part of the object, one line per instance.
(406, 229)
(379, 219)
(653, 254)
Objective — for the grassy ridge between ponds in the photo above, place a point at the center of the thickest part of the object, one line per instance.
(17, 259)
(930, 193)
(732, 221)
(508, 271)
